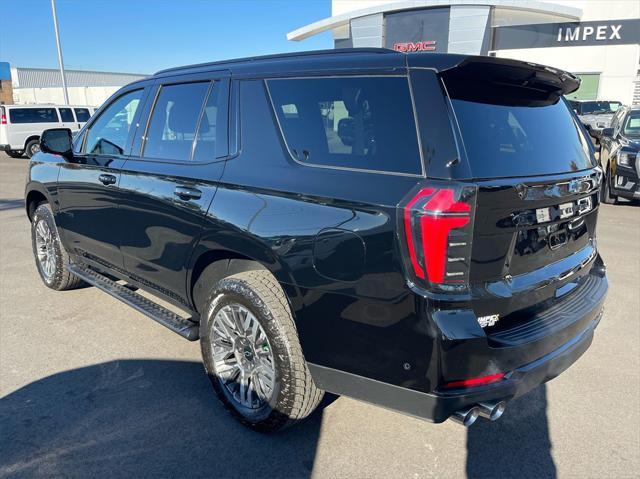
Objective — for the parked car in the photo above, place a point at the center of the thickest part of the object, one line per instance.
(22, 125)
(595, 115)
(339, 221)
(619, 155)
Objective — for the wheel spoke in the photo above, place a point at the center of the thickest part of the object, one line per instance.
(242, 356)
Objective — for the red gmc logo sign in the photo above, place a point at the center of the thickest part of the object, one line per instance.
(426, 46)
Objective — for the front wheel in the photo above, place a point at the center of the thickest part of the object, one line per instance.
(252, 354)
(51, 257)
(32, 147)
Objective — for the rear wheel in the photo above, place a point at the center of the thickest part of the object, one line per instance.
(15, 153)
(607, 197)
(252, 354)
(32, 147)
(51, 257)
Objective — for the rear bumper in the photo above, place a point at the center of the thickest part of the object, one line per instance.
(438, 407)
(5, 147)
(530, 353)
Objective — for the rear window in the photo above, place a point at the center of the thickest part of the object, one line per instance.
(362, 123)
(521, 140)
(82, 114)
(33, 115)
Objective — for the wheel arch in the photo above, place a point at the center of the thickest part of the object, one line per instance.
(35, 197)
(212, 265)
(32, 137)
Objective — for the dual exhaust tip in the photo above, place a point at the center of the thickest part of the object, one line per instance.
(488, 410)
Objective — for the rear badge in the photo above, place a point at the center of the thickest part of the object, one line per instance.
(485, 321)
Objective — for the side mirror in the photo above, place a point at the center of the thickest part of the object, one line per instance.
(57, 141)
(607, 132)
(347, 130)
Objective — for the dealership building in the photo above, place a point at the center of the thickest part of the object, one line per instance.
(44, 85)
(599, 40)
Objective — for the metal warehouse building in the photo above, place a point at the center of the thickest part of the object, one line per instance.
(597, 39)
(42, 85)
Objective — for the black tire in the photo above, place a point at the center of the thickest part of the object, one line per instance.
(32, 147)
(294, 395)
(607, 197)
(15, 153)
(59, 278)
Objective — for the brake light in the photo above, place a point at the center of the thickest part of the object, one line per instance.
(3, 117)
(437, 227)
(473, 382)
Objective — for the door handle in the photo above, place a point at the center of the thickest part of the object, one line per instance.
(186, 193)
(107, 179)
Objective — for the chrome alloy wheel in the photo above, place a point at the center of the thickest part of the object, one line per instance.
(242, 356)
(45, 249)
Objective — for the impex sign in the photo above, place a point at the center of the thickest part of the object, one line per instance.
(544, 35)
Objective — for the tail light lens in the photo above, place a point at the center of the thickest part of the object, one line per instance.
(436, 235)
(3, 116)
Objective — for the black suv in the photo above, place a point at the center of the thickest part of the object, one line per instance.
(620, 156)
(412, 230)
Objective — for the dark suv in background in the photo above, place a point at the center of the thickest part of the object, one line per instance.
(364, 222)
(620, 156)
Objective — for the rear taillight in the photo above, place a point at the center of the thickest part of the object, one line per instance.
(436, 235)
(3, 116)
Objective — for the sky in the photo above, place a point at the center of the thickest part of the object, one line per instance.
(143, 36)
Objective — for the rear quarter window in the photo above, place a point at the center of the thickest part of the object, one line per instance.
(364, 123)
(33, 115)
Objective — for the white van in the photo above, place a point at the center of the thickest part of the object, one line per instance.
(22, 125)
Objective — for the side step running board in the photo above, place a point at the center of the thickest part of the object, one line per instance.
(183, 326)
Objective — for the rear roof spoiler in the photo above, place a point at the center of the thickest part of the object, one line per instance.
(505, 71)
(506, 81)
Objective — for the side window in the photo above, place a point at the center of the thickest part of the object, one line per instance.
(66, 115)
(212, 139)
(357, 122)
(33, 115)
(172, 126)
(111, 131)
(82, 114)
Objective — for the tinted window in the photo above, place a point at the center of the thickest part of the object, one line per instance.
(66, 115)
(591, 107)
(110, 133)
(82, 114)
(632, 123)
(172, 127)
(33, 115)
(364, 123)
(212, 139)
(519, 140)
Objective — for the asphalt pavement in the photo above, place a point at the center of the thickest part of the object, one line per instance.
(90, 388)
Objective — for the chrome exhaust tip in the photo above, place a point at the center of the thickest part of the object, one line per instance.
(466, 417)
(492, 410)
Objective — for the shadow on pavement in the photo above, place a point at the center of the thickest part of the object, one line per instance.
(517, 445)
(10, 204)
(141, 418)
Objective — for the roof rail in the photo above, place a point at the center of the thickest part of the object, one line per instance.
(278, 56)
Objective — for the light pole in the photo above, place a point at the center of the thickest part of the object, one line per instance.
(60, 61)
